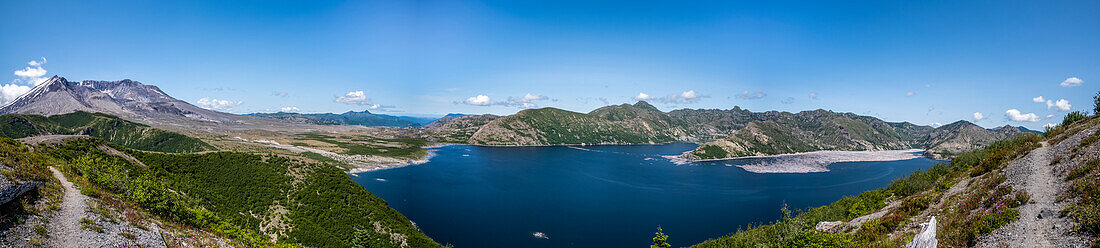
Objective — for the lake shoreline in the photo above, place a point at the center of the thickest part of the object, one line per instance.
(809, 162)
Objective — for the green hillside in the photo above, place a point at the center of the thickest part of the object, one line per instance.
(552, 126)
(246, 197)
(110, 128)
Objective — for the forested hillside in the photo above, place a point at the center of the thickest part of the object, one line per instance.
(255, 199)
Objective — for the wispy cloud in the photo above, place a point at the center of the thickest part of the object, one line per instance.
(813, 95)
(754, 95)
(1072, 82)
(353, 98)
(279, 93)
(526, 101)
(788, 100)
(215, 104)
(685, 97)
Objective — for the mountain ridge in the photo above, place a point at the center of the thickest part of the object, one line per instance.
(730, 133)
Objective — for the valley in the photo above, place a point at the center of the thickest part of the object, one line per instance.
(311, 180)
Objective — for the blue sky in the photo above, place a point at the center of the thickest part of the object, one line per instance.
(916, 61)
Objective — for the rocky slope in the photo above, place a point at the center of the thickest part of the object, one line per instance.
(458, 128)
(1026, 191)
(125, 98)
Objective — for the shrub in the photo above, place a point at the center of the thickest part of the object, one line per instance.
(41, 230)
(1083, 170)
(1073, 117)
(818, 239)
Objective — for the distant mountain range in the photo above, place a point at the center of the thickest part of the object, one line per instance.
(363, 118)
(727, 133)
(723, 133)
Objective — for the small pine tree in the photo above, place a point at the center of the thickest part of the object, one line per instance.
(1096, 104)
(661, 240)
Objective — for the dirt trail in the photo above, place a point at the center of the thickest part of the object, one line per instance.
(1039, 223)
(66, 224)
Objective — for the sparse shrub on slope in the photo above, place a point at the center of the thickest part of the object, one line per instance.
(985, 206)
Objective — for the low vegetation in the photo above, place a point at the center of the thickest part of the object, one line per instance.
(110, 128)
(240, 195)
(983, 206)
(370, 146)
(1084, 181)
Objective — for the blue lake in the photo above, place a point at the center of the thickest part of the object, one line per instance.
(603, 196)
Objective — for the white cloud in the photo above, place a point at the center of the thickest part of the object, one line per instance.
(290, 109)
(643, 97)
(31, 72)
(354, 97)
(935, 124)
(751, 96)
(1050, 115)
(1071, 82)
(34, 74)
(910, 93)
(479, 100)
(685, 97)
(978, 116)
(1015, 115)
(1061, 104)
(9, 92)
(381, 107)
(1038, 99)
(211, 103)
(36, 63)
(527, 101)
(813, 95)
(529, 97)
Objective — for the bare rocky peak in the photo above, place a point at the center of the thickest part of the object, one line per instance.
(125, 98)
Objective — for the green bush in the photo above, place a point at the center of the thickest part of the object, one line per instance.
(822, 240)
(1073, 117)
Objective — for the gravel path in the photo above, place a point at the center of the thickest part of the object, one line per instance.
(66, 231)
(1040, 224)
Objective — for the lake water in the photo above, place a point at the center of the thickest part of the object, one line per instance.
(603, 196)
